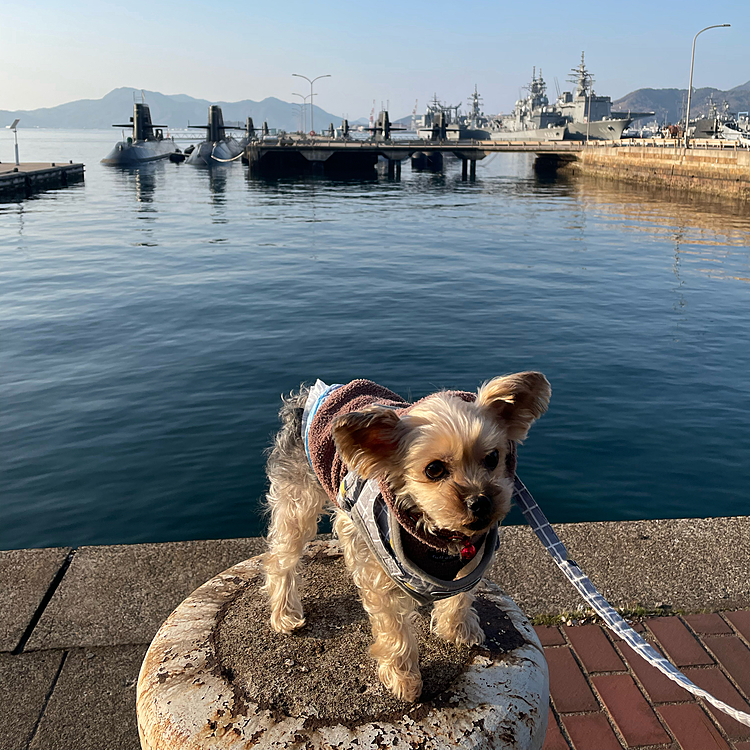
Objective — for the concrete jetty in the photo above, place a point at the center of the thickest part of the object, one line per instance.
(75, 625)
(709, 166)
(23, 180)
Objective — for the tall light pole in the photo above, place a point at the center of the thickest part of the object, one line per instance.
(300, 115)
(304, 99)
(690, 86)
(311, 82)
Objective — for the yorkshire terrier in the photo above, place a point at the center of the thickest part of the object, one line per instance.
(419, 490)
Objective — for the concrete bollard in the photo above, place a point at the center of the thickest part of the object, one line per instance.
(216, 675)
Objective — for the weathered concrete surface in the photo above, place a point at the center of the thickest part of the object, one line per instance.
(25, 682)
(92, 706)
(690, 564)
(25, 576)
(123, 593)
(215, 678)
(724, 172)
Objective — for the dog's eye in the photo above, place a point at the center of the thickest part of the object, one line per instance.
(491, 460)
(436, 470)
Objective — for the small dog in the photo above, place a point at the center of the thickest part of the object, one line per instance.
(443, 469)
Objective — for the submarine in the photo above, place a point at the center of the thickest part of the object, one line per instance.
(218, 147)
(146, 144)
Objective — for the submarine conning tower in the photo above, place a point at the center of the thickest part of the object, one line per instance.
(143, 128)
(216, 130)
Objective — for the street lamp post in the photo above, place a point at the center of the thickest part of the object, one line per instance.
(299, 117)
(311, 82)
(690, 86)
(304, 111)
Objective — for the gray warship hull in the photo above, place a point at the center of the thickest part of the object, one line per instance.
(131, 154)
(600, 130)
(558, 133)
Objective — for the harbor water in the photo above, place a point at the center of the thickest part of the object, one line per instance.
(151, 318)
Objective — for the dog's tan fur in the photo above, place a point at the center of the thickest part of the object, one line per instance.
(378, 443)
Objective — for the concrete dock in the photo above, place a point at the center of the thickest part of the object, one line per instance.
(76, 623)
(711, 167)
(717, 168)
(23, 180)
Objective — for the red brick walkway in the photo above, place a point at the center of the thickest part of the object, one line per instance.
(603, 695)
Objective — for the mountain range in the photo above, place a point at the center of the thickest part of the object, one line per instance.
(174, 110)
(177, 110)
(669, 104)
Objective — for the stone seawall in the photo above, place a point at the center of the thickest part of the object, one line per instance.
(723, 172)
(75, 623)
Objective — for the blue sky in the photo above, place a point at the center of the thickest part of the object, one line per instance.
(389, 52)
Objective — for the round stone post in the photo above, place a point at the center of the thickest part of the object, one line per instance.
(217, 677)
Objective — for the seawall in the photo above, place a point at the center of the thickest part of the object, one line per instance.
(76, 623)
(710, 170)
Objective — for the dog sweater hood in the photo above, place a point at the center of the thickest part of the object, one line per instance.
(417, 563)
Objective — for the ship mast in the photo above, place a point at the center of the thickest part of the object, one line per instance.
(582, 78)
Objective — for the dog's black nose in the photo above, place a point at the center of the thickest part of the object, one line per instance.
(479, 505)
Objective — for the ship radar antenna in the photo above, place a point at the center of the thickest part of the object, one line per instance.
(581, 77)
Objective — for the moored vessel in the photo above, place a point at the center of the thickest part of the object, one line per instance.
(577, 115)
(218, 148)
(147, 143)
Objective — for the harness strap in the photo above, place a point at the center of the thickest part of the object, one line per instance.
(541, 527)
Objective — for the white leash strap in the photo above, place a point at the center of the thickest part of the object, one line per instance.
(541, 527)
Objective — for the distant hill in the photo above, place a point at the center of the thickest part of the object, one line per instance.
(174, 110)
(669, 104)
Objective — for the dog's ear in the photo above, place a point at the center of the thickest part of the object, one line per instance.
(368, 441)
(516, 400)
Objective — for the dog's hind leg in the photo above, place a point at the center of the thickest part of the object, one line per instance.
(296, 501)
(390, 610)
(455, 620)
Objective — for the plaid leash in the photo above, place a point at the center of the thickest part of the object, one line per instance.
(541, 527)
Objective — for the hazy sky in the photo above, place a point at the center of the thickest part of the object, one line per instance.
(398, 52)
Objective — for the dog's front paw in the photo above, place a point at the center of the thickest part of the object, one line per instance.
(406, 686)
(461, 628)
(464, 634)
(287, 620)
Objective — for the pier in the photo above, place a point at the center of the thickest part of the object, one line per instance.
(75, 624)
(710, 166)
(23, 180)
(289, 154)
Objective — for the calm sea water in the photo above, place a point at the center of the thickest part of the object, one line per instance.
(151, 318)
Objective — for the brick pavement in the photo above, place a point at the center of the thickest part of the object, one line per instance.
(603, 695)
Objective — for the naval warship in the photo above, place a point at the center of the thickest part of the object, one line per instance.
(576, 115)
(146, 144)
(533, 118)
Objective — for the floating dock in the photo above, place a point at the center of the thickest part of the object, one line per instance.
(23, 180)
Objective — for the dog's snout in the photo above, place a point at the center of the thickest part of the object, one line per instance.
(479, 505)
